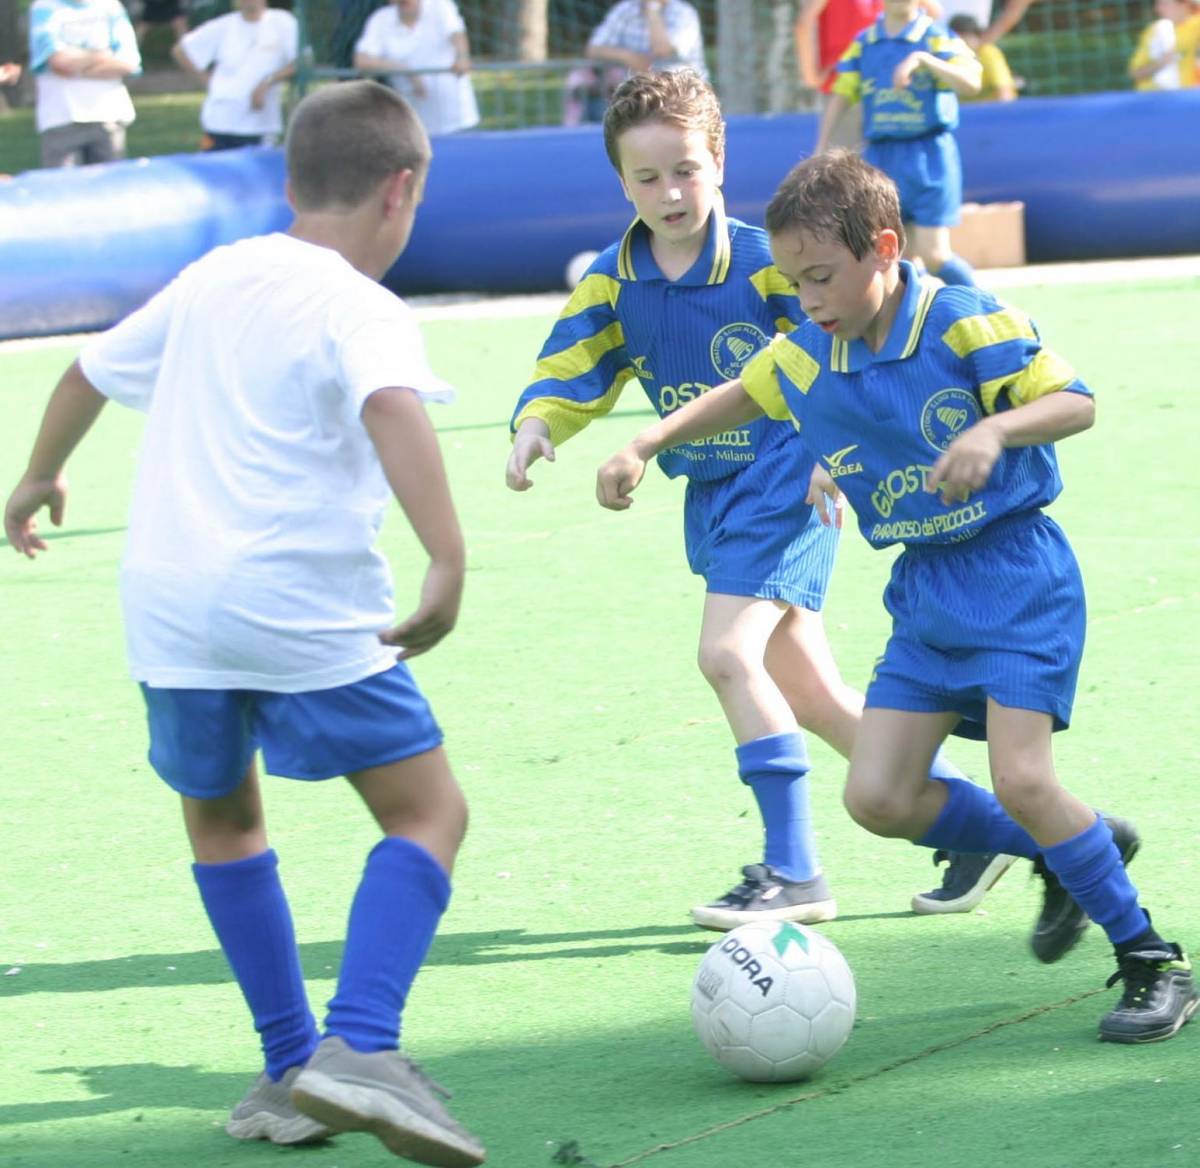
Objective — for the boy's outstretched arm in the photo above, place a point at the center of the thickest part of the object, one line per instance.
(408, 449)
(531, 442)
(967, 462)
(720, 409)
(74, 405)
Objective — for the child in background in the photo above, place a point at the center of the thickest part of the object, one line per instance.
(908, 73)
(680, 304)
(253, 599)
(949, 405)
(1155, 61)
(997, 82)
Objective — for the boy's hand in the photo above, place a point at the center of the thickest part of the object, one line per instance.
(903, 72)
(29, 497)
(824, 495)
(441, 595)
(618, 477)
(967, 463)
(531, 443)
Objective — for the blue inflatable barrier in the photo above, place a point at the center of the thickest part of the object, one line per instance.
(1100, 176)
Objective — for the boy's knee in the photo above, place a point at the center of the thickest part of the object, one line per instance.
(876, 804)
(723, 664)
(1024, 790)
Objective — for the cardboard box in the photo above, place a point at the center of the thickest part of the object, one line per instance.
(991, 235)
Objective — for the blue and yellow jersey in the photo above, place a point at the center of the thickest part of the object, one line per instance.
(625, 321)
(865, 72)
(878, 421)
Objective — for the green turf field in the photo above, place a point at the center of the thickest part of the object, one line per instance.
(604, 805)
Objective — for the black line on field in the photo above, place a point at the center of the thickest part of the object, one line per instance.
(854, 1080)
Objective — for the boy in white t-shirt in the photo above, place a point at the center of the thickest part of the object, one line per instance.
(407, 36)
(241, 58)
(253, 598)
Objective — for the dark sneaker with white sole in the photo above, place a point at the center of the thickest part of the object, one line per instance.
(1158, 998)
(388, 1095)
(766, 895)
(966, 881)
(268, 1113)
(1062, 923)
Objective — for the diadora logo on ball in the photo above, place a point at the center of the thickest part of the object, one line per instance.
(734, 345)
(748, 964)
(947, 414)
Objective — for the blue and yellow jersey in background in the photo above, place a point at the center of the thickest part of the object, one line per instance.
(878, 421)
(865, 72)
(625, 321)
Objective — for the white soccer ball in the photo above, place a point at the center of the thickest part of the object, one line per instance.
(773, 1001)
(577, 267)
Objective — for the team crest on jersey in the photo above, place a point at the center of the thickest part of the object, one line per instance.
(947, 414)
(734, 345)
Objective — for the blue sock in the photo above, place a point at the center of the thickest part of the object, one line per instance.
(396, 910)
(775, 768)
(943, 768)
(1089, 867)
(973, 821)
(249, 912)
(956, 270)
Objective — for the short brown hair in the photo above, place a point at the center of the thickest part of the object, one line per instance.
(837, 197)
(344, 140)
(678, 97)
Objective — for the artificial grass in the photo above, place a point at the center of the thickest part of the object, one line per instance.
(604, 803)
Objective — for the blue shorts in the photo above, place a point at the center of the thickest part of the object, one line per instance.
(752, 533)
(928, 174)
(202, 740)
(1000, 616)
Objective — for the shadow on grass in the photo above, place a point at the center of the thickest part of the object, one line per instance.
(71, 533)
(320, 958)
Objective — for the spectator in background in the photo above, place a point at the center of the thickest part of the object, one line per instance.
(241, 58)
(408, 36)
(635, 36)
(1155, 61)
(10, 72)
(998, 83)
(1187, 43)
(825, 28)
(81, 51)
(161, 12)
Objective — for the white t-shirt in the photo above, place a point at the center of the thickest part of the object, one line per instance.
(250, 560)
(1162, 43)
(448, 102)
(241, 53)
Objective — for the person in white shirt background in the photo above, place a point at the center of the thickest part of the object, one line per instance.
(241, 58)
(408, 36)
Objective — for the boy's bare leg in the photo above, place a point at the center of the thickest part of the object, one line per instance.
(229, 828)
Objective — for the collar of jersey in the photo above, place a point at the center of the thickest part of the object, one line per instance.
(913, 31)
(903, 336)
(635, 261)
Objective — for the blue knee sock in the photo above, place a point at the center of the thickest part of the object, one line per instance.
(973, 821)
(1089, 867)
(956, 270)
(249, 912)
(396, 910)
(775, 768)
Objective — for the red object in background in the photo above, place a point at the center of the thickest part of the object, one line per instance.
(839, 23)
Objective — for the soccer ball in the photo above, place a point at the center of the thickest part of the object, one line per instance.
(773, 1001)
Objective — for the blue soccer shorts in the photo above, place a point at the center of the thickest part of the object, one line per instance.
(202, 740)
(752, 533)
(928, 174)
(1000, 616)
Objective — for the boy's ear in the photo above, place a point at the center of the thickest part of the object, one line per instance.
(399, 190)
(287, 193)
(887, 246)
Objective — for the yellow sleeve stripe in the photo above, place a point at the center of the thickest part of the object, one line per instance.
(770, 281)
(839, 356)
(854, 50)
(591, 292)
(761, 382)
(582, 357)
(784, 324)
(625, 254)
(972, 333)
(1047, 373)
(565, 417)
(849, 86)
(801, 369)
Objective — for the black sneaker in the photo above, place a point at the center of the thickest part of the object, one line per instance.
(1159, 996)
(765, 895)
(965, 882)
(1062, 923)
